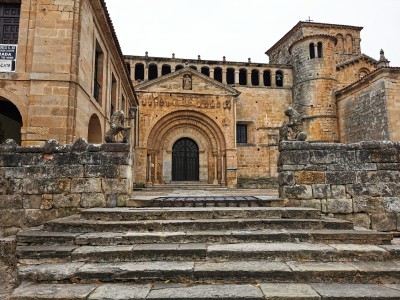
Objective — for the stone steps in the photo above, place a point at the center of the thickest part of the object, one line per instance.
(205, 201)
(259, 291)
(204, 252)
(216, 272)
(77, 224)
(198, 213)
(39, 237)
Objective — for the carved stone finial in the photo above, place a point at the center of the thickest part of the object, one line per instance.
(224, 58)
(198, 57)
(146, 54)
(249, 59)
(116, 127)
(293, 129)
(383, 61)
(173, 55)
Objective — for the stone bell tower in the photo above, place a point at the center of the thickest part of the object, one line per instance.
(313, 59)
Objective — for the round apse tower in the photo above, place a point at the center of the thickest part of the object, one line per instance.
(313, 58)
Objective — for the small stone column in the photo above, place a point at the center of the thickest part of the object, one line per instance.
(211, 73)
(146, 72)
(223, 180)
(149, 182)
(261, 78)
(248, 78)
(133, 72)
(224, 75)
(236, 76)
(215, 168)
(156, 168)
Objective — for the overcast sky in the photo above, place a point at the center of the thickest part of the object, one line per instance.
(239, 29)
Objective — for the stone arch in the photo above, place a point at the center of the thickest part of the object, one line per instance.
(185, 124)
(19, 104)
(363, 72)
(349, 43)
(340, 43)
(95, 133)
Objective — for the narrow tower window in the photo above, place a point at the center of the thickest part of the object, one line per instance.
(218, 74)
(312, 51)
(255, 78)
(153, 72)
(205, 71)
(230, 76)
(166, 69)
(243, 77)
(139, 71)
(319, 48)
(279, 78)
(267, 78)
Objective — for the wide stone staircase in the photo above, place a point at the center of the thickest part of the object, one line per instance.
(205, 248)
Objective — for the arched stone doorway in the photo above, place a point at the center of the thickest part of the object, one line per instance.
(185, 160)
(10, 122)
(176, 129)
(95, 135)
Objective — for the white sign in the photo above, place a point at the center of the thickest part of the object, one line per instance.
(8, 57)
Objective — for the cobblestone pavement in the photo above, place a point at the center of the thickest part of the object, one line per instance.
(7, 281)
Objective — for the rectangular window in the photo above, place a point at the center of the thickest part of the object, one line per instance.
(98, 74)
(241, 133)
(9, 22)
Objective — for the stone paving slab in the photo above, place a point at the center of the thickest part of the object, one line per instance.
(120, 292)
(207, 292)
(49, 272)
(52, 291)
(351, 291)
(289, 291)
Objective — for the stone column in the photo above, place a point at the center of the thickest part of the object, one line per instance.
(249, 78)
(224, 75)
(146, 72)
(261, 78)
(211, 73)
(236, 76)
(156, 168)
(149, 182)
(223, 181)
(215, 168)
(159, 72)
(133, 72)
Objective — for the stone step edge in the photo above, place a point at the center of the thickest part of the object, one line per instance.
(257, 291)
(223, 272)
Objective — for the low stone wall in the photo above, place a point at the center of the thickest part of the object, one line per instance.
(38, 184)
(358, 182)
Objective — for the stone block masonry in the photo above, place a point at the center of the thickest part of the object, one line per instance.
(358, 182)
(41, 183)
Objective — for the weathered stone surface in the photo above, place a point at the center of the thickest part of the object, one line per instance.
(286, 178)
(289, 157)
(384, 221)
(321, 191)
(340, 206)
(344, 177)
(66, 200)
(115, 186)
(120, 292)
(53, 291)
(89, 200)
(86, 185)
(322, 157)
(289, 291)
(49, 272)
(317, 204)
(368, 204)
(392, 204)
(206, 292)
(354, 291)
(309, 177)
(338, 191)
(297, 192)
(359, 219)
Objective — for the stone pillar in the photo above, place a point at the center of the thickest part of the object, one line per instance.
(211, 73)
(133, 72)
(156, 168)
(215, 168)
(223, 169)
(248, 78)
(236, 76)
(149, 167)
(261, 78)
(146, 72)
(159, 71)
(224, 75)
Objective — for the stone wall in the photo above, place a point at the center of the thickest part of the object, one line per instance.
(358, 182)
(38, 184)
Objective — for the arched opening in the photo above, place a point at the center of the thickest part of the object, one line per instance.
(349, 43)
(178, 67)
(319, 49)
(139, 71)
(230, 76)
(10, 122)
(218, 74)
(185, 160)
(153, 72)
(255, 78)
(339, 45)
(279, 78)
(166, 69)
(94, 130)
(267, 78)
(243, 77)
(362, 73)
(205, 71)
(193, 67)
(312, 50)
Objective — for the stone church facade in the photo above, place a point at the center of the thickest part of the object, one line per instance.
(211, 122)
(232, 111)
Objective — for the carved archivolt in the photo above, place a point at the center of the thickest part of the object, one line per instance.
(197, 121)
